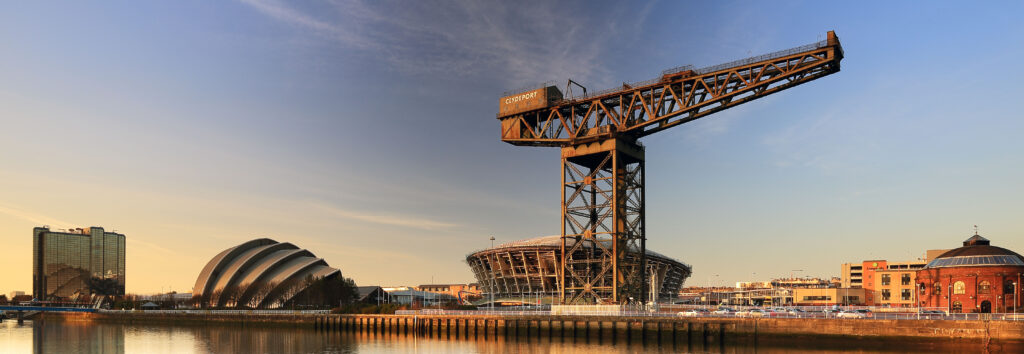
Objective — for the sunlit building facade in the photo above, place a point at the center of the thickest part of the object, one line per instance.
(977, 277)
(64, 262)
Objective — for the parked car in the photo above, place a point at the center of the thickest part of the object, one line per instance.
(851, 314)
(724, 311)
(865, 312)
(931, 314)
(753, 313)
(694, 313)
(797, 312)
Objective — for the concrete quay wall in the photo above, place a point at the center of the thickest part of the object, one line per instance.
(613, 328)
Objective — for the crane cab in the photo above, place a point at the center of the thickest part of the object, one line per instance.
(528, 101)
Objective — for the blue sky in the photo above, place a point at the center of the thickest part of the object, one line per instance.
(365, 131)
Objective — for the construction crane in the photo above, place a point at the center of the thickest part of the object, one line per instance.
(603, 239)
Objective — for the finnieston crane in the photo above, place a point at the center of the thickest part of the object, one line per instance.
(603, 238)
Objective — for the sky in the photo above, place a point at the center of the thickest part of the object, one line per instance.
(365, 131)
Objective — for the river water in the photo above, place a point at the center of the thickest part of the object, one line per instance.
(93, 337)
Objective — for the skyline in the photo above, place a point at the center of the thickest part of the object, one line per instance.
(365, 132)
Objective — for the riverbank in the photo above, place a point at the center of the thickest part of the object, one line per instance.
(974, 334)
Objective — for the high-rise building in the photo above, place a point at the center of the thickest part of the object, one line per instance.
(66, 262)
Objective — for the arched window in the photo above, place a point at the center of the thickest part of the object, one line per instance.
(938, 288)
(1008, 286)
(959, 288)
(958, 307)
(984, 287)
(923, 288)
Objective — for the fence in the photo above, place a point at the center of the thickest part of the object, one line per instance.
(819, 312)
(223, 312)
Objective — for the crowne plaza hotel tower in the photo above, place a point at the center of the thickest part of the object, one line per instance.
(66, 262)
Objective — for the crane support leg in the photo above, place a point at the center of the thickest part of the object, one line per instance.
(603, 242)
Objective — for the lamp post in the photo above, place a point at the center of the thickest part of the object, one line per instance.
(949, 296)
(1014, 297)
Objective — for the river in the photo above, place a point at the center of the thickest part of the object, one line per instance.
(94, 337)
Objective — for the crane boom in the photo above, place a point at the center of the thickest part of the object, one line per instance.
(603, 251)
(680, 95)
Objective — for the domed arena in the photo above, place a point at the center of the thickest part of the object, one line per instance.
(262, 273)
(527, 271)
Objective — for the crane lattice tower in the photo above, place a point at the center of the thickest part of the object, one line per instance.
(603, 238)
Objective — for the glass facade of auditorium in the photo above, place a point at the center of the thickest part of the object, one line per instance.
(63, 262)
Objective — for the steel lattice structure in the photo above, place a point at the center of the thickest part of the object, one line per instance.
(603, 163)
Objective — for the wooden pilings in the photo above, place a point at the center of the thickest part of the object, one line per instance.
(602, 329)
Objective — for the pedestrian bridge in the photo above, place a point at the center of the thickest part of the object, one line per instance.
(45, 309)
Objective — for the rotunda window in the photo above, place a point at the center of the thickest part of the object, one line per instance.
(959, 288)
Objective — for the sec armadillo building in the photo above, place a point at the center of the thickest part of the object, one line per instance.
(529, 268)
(260, 273)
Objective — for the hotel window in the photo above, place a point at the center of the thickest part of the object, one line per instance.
(938, 288)
(885, 279)
(905, 279)
(959, 288)
(984, 287)
(886, 295)
(905, 295)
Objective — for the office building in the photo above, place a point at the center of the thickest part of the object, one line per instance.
(67, 264)
(885, 283)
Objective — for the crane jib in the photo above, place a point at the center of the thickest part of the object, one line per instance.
(542, 117)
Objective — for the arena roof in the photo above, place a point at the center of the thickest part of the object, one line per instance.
(259, 273)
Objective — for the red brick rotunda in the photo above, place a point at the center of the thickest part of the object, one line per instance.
(979, 277)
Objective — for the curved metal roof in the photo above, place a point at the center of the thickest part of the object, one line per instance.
(977, 252)
(259, 273)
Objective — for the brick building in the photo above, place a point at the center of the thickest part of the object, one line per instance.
(978, 276)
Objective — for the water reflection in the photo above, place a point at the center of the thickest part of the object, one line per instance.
(91, 337)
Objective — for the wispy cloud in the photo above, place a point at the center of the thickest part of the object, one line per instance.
(523, 42)
(387, 218)
(35, 218)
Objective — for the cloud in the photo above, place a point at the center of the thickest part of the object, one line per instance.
(35, 218)
(388, 219)
(522, 43)
(137, 241)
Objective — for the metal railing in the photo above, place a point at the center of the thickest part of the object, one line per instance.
(810, 312)
(223, 312)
